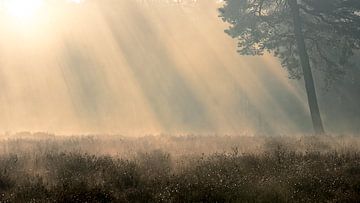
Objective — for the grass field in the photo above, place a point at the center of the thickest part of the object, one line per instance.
(47, 168)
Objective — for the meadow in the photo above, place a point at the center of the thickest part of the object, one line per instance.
(42, 167)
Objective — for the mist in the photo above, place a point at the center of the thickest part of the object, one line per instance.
(150, 67)
(179, 101)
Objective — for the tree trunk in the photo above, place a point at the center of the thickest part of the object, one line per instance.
(305, 64)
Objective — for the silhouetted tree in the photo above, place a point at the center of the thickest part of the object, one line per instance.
(302, 33)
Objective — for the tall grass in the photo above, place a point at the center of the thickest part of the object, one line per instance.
(45, 168)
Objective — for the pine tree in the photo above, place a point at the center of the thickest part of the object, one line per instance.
(322, 34)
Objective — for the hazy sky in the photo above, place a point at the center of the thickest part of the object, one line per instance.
(137, 67)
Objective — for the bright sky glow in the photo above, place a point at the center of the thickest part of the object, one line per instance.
(76, 1)
(27, 10)
(23, 9)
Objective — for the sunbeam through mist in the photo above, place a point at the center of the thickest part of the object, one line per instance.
(135, 67)
(179, 101)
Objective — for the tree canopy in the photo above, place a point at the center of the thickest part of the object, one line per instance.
(331, 30)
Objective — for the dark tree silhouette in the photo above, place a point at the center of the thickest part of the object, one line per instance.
(302, 33)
